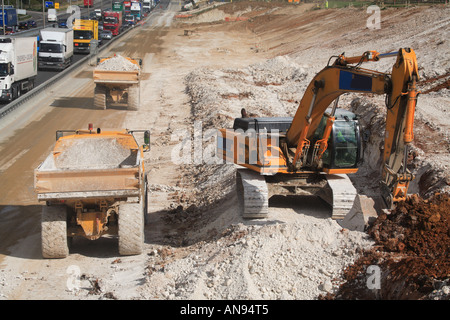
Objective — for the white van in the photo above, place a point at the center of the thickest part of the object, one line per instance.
(51, 15)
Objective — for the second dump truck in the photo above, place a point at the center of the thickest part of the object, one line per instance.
(117, 78)
(93, 183)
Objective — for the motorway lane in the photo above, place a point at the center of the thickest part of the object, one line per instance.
(29, 137)
(37, 16)
(44, 75)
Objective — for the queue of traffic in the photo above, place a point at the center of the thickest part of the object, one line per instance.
(55, 46)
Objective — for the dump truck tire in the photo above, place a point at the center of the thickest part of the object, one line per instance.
(133, 98)
(99, 97)
(54, 232)
(131, 228)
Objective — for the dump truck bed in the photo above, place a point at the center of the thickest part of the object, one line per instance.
(71, 184)
(121, 77)
(94, 167)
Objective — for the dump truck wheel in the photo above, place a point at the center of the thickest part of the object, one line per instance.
(54, 232)
(133, 98)
(131, 228)
(100, 97)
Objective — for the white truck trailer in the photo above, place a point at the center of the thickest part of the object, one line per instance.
(56, 48)
(18, 66)
(148, 5)
(52, 16)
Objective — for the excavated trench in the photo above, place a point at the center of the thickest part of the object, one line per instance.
(411, 253)
(429, 178)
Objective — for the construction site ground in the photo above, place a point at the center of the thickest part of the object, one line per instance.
(198, 72)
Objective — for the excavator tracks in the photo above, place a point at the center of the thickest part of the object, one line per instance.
(255, 194)
(342, 195)
(256, 189)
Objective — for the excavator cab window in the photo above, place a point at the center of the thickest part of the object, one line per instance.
(344, 144)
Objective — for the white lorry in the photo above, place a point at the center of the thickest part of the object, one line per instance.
(51, 15)
(55, 48)
(136, 10)
(18, 66)
(148, 5)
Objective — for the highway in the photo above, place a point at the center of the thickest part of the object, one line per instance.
(27, 135)
(44, 75)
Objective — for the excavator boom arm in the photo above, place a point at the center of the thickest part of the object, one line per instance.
(340, 78)
(326, 86)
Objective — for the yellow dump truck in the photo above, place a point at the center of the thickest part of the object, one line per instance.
(84, 33)
(117, 80)
(93, 183)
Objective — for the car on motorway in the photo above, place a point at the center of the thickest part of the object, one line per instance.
(98, 13)
(8, 30)
(23, 25)
(106, 35)
(32, 24)
(62, 23)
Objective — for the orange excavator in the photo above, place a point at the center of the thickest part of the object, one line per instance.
(315, 150)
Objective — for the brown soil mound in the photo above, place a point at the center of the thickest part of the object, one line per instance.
(412, 253)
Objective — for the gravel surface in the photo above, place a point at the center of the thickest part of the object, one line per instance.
(117, 63)
(89, 153)
(296, 260)
(197, 245)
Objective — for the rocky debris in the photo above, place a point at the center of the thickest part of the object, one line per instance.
(271, 88)
(117, 63)
(416, 226)
(412, 251)
(272, 260)
(92, 153)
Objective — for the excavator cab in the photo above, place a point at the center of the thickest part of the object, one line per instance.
(344, 145)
